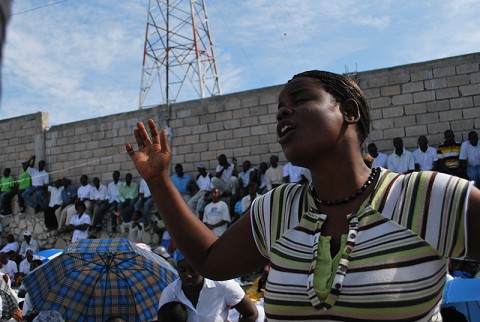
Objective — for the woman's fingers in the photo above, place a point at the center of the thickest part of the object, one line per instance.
(141, 135)
(129, 149)
(154, 132)
(164, 141)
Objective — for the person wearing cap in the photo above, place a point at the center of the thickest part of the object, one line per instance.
(203, 184)
(207, 300)
(28, 243)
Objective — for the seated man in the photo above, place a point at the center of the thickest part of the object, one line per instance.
(182, 182)
(40, 180)
(11, 247)
(128, 194)
(216, 215)
(379, 158)
(9, 267)
(274, 174)
(7, 191)
(69, 195)
(401, 160)
(28, 243)
(134, 228)
(448, 155)
(425, 157)
(225, 179)
(203, 184)
(145, 202)
(98, 197)
(470, 158)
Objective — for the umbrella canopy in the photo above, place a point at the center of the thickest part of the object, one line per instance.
(464, 295)
(47, 254)
(95, 279)
(9, 301)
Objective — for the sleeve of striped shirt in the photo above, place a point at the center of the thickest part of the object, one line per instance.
(433, 205)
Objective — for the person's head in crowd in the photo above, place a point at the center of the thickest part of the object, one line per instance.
(222, 160)
(273, 161)
(10, 238)
(449, 137)
(246, 165)
(65, 182)
(6, 172)
(96, 182)
(263, 167)
(190, 278)
(137, 216)
(84, 180)
(29, 255)
(372, 150)
(201, 169)
(116, 176)
(80, 207)
(128, 178)
(215, 194)
(41, 165)
(58, 183)
(252, 189)
(3, 258)
(398, 144)
(35, 263)
(27, 235)
(179, 170)
(473, 138)
(422, 143)
(24, 165)
(172, 312)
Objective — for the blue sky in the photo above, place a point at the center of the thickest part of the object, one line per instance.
(83, 59)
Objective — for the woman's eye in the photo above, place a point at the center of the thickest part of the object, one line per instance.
(302, 100)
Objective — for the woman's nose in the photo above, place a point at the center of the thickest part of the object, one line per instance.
(283, 112)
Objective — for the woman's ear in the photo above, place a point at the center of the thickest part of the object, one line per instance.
(351, 111)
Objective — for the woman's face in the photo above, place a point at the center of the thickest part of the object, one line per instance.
(189, 277)
(309, 121)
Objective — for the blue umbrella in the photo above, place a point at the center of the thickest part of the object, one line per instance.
(47, 254)
(95, 279)
(464, 295)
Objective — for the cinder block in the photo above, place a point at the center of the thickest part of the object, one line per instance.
(268, 98)
(450, 92)
(416, 130)
(201, 128)
(260, 150)
(372, 92)
(393, 133)
(380, 102)
(250, 101)
(444, 71)
(413, 87)
(266, 119)
(447, 116)
(438, 106)
(217, 126)
(251, 140)
(232, 124)
(259, 130)
(468, 68)
(233, 103)
(241, 132)
(225, 135)
(249, 121)
(401, 78)
(461, 102)
(268, 138)
(385, 123)
(200, 147)
(421, 75)
(467, 90)
(393, 111)
(461, 125)
(258, 110)
(223, 116)
(192, 120)
(402, 99)
(216, 145)
(241, 113)
(207, 137)
(403, 121)
(457, 80)
(233, 143)
(423, 96)
(192, 139)
(471, 112)
(390, 90)
(436, 83)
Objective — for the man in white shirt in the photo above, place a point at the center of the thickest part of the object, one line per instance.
(274, 173)
(83, 194)
(425, 157)
(401, 160)
(292, 173)
(216, 215)
(225, 179)
(40, 180)
(470, 158)
(203, 183)
(55, 203)
(9, 267)
(99, 199)
(11, 247)
(145, 202)
(28, 243)
(113, 198)
(379, 158)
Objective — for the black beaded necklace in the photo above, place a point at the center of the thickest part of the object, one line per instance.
(348, 198)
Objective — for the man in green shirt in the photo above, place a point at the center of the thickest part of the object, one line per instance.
(128, 195)
(7, 185)
(24, 182)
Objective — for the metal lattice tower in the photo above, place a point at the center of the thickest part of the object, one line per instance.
(178, 54)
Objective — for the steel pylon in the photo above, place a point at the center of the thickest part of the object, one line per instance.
(179, 60)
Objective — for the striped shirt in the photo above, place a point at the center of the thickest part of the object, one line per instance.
(450, 155)
(393, 265)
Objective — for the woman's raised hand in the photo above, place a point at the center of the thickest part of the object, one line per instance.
(153, 156)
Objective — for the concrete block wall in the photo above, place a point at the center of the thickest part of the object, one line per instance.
(406, 101)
